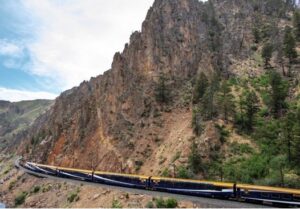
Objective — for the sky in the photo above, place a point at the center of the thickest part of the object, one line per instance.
(48, 46)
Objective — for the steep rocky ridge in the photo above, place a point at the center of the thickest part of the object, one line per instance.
(113, 122)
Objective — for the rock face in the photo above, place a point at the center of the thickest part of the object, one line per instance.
(16, 117)
(112, 122)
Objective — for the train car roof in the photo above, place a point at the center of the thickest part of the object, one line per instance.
(224, 184)
(63, 168)
(270, 189)
(120, 174)
(90, 171)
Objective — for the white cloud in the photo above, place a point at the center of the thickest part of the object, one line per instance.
(10, 49)
(76, 39)
(20, 95)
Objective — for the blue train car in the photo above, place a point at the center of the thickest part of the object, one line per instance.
(193, 187)
(30, 166)
(76, 174)
(123, 180)
(48, 170)
(265, 194)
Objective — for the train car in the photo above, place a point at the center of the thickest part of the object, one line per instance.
(76, 174)
(193, 187)
(45, 169)
(123, 180)
(30, 166)
(272, 195)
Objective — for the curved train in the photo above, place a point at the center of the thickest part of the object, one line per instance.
(240, 192)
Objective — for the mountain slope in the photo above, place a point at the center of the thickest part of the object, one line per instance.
(16, 117)
(117, 121)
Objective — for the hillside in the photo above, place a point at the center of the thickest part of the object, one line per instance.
(16, 117)
(121, 120)
(204, 90)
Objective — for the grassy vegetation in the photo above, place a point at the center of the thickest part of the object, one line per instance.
(116, 204)
(11, 185)
(46, 188)
(20, 198)
(240, 149)
(168, 203)
(176, 157)
(74, 196)
(35, 189)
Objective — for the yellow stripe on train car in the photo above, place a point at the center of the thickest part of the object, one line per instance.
(269, 189)
(90, 171)
(222, 184)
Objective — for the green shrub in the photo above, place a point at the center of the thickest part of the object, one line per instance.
(35, 189)
(11, 185)
(48, 187)
(165, 173)
(73, 196)
(247, 170)
(116, 204)
(169, 203)
(176, 156)
(254, 48)
(264, 112)
(194, 159)
(224, 134)
(239, 149)
(20, 199)
(233, 81)
(183, 173)
(149, 205)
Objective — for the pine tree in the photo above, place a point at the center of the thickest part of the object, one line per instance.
(226, 101)
(279, 92)
(240, 118)
(290, 45)
(267, 52)
(251, 108)
(208, 103)
(296, 22)
(256, 34)
(195, 162)
(288, 136)
(296, 140)
(200, 88)
(197, 122)
(280, 58)
(162, 92)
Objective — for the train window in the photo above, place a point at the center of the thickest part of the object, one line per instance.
(276, 196)
(265, 195)
(296, 198)
(286, 197)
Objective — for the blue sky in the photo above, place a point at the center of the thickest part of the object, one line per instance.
(48, 46)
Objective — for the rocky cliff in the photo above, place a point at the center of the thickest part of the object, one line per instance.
(113, 122)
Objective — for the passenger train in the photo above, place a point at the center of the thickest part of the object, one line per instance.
(240, 192)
